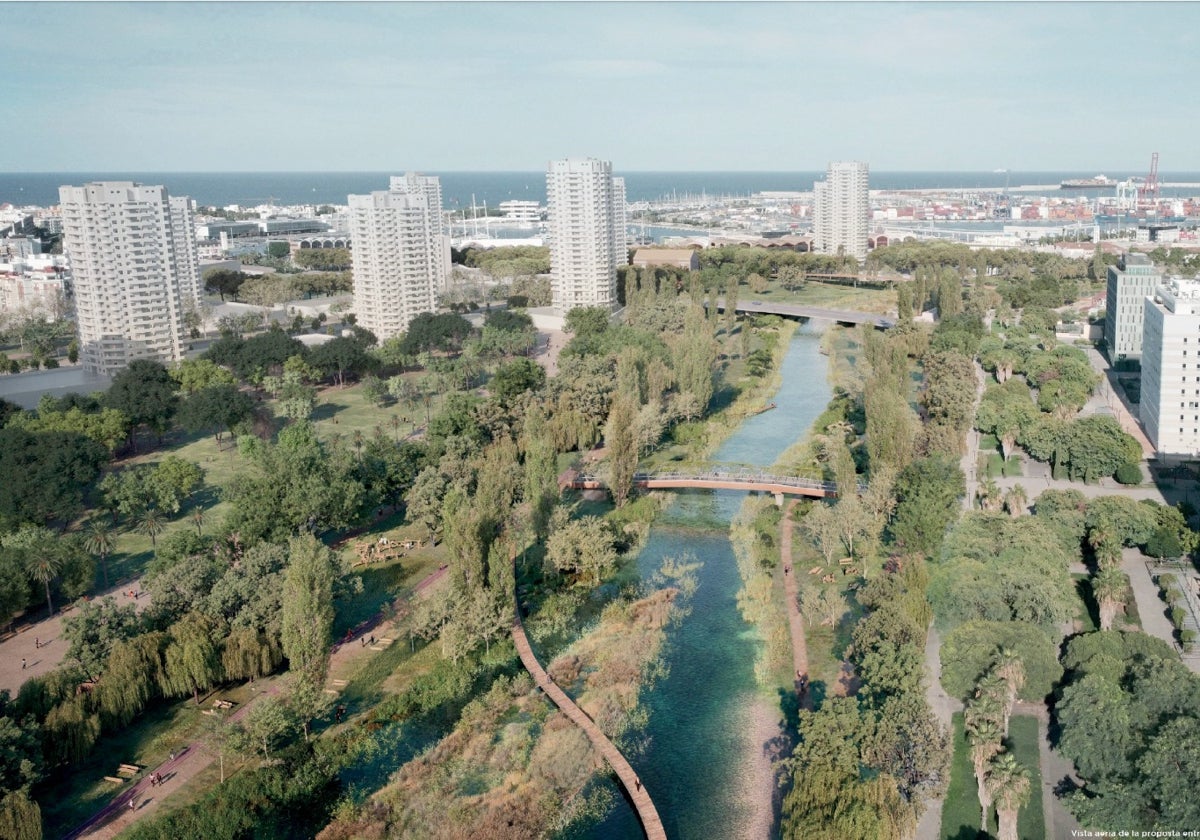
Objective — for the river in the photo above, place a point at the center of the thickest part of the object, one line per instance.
(709, 722)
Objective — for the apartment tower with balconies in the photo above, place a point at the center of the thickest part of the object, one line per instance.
(587, 232)
(841, 207)
(401, 255)
(132, 249)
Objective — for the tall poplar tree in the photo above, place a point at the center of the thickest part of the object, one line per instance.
(307, 621)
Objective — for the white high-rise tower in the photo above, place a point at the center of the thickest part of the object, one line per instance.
(134, 269)
(841, 205)
(586, 235)
(400, 253)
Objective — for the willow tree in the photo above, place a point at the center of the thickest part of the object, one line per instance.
(191, 660)
(133, 673)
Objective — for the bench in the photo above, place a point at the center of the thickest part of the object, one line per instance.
(846, 561)
(223, 704)
(115, 780)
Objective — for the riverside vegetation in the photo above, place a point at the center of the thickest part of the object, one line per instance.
(224, 480)
(222, 548)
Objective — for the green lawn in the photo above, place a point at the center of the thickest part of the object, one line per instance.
(70, 798)
(960, 810)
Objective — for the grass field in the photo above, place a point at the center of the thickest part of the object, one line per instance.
(960, 810)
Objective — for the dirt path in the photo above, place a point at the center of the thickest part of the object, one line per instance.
(40, 645)
(795, 620)
(189, 762)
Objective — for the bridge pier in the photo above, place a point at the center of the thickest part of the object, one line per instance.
(779, 500)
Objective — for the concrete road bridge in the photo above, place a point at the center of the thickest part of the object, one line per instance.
(793, 310)
(779, 486)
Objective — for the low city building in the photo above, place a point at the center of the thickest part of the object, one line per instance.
(672, 257)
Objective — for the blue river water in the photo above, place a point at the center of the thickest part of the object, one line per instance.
(702, 736)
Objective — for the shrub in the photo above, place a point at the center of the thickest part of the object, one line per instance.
(1176, 616)
(1129, 474)
(1187, 638)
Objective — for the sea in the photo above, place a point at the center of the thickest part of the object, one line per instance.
(463, 189)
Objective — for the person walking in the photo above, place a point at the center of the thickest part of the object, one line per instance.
(37, 643)
(22, 664)
(637, 783)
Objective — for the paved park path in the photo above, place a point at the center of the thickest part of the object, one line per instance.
(647, 813)
(41, 646)
(185, 764)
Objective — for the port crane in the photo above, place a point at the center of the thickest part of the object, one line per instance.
(1150, 187)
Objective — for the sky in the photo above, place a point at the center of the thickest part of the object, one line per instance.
(681, 86)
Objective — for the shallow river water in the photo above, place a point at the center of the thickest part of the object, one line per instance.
(704, 764)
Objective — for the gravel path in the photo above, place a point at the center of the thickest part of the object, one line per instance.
(40, 645)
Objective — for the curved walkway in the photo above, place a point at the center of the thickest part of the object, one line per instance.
(647, 813)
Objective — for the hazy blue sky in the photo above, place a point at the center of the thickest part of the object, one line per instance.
(671, 86)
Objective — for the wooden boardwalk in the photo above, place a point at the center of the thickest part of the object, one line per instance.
(647, 813)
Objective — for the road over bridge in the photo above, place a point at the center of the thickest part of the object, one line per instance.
(794, 310)
(747, 480)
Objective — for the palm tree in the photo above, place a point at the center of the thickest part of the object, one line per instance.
(1008, 783)
(989, 495)
(991, 693)
(984, 735)
(44, 568)
(198, 520)
(99, 539)
(151, 523)
(1015, 500)
(1108, 586)
(1011, 669)
(394, 422)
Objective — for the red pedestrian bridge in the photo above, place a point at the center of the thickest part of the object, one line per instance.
(746, 480)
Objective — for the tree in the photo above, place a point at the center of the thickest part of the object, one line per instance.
(622, 446)
(133, 673)
(100, 539)
(583, 322)
(343, 355)
(428, 332)
(151, 522)
(583, 546)
(224, 282)
(45, 475)
(266, 725)
(145, 393)
(20, 817)
(984, 735)
(1108, 587)
(1008, 784)
(191, 659)
(43, 567)
(517, 377)
(307, 619)
(1006, 411)
(927, 496)
(93, 630)
(970, 650)
(197, 374)
(215, 409)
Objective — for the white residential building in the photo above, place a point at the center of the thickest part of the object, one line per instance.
(1129, 283)
(134, 271)
(401, 255)
(842, 209)
(1170, 400)
(587, 233)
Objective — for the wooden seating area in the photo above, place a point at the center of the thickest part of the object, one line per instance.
(115, 780)
(128, 771)
(219, 704)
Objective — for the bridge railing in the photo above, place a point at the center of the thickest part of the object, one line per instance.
(732, 476)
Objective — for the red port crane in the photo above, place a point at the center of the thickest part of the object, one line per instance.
(1150, 188)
